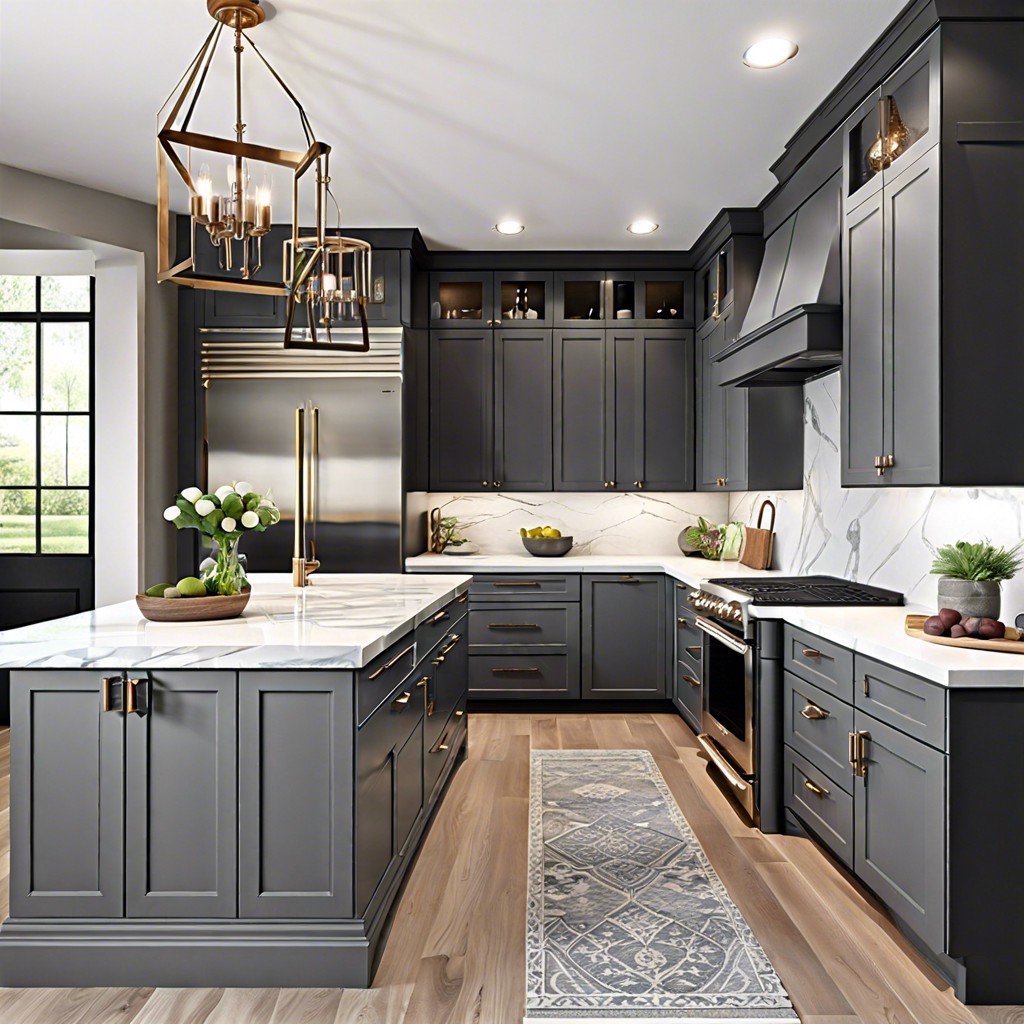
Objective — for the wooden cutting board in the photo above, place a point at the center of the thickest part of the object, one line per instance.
(915, 627)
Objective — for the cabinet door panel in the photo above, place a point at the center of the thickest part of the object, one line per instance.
(67, 808)
(181, 843)
(900, 827)
(667, 423)
(408, 788)
(912, 275)
(461, 410)
(863, 412)
(623, 636)
(625, 376)
(523, 409)
(580, 429)
(712, 430)
(295, 794)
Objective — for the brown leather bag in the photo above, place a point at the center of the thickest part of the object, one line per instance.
(756, 551)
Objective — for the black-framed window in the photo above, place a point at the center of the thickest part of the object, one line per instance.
(47, 395)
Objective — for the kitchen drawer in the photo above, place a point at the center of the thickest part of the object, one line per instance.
(439, 625)
(689, 646)
(682, 604)
(449, 674)
(689, 694)
(383, 674)
(435, 728)
(388, 728)
(818, 661)
(524, 626)
(524, 587)
(443, 749)
(817, 725)
(825, 808)
(904, 701)
(523, 675)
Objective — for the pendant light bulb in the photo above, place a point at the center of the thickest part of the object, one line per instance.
(204, 183)
(266, 190)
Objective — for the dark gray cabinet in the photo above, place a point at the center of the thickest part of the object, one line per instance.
(624, 643)
(295, 795)
(491, 410)
(623, 410)
(67, 797)
(181, 823)
(900, 826)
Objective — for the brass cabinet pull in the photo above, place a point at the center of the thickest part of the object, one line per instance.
(814, 713)
(512, 625)
(459, 713)
(463, 599)
(638, 484)
(105, 701)
(391, 664)
(684, 623)
(866, 687)
(611, 483)
(497, 483)
(423, 682)
(484, 483)
(851, 750)
(508, 671)
(399, 702)
(455, 638)
(441, 744)
(628, 579)
(440, 616)
(517, 583)
(430, 710)
(693, 681)
(720, 482)
(819, 791)
(862, 752)
(696, 649)
(810, 652)
(439, 660)
(131, 696)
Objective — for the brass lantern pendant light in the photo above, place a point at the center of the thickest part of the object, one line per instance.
(235, 221)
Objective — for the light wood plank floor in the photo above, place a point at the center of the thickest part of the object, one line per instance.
(456, 950)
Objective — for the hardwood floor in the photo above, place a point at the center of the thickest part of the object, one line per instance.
(456, 950)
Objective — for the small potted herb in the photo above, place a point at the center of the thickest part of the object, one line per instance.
(453, 542)
(970, 576)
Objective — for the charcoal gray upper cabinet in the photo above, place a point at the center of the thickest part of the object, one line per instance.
(474, 299)
(624, 641)
(67, 802)
(181, 834)
(900, 826)
(931, 268)
(623, 410)
(491, 410)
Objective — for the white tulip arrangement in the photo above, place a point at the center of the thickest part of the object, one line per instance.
(226, 515)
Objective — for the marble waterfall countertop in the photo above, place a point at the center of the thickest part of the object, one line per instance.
(339, 622)
(872, 631)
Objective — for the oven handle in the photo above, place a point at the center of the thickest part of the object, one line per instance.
(722, 636)
(727, 770)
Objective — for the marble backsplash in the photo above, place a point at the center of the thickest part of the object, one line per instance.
(884, 536)
(601, 524)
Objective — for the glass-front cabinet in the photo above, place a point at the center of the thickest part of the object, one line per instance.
(491, 299)
(895, 124)
(624, 298)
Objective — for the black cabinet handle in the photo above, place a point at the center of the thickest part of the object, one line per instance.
(512, 625)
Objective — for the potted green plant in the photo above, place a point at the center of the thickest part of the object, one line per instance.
(452, 541)
(970, 576)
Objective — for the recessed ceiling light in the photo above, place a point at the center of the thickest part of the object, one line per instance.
(769, 53)
(641, 227)
(509, 227)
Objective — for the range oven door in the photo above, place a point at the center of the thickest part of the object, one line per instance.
(728, 678)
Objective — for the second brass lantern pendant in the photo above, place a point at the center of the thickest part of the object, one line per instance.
(893, 136)
(326, 277)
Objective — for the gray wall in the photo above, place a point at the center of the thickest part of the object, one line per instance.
(100, 217)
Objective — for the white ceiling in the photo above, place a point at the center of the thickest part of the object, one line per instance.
(573, 116)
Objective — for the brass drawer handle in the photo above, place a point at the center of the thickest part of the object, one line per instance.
(693, 681)
(442, 744)
(459, 713)
(105, 702)
(818, 791)
(810, 652)
(696, 649)
(131, 696)
(455, 638)
(508, 671)
(813, 713)
(529, 583)
(438, 661)
(628, 579)
(391, 664)
(857, 752)
(423, 682)
(399, 702)
(512, 625)
(439, 617)
(463, 599)
(684, 623)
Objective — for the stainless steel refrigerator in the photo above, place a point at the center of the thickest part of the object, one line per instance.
(348, 463)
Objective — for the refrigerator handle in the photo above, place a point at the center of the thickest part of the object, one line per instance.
(301, 566)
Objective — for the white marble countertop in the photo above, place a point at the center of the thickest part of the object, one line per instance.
(872, 631)
(339, 622)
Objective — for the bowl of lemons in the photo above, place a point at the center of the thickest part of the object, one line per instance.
(545, 542)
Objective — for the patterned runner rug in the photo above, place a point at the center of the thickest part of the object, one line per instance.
(626, 918)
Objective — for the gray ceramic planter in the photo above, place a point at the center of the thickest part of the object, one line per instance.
(970, 597)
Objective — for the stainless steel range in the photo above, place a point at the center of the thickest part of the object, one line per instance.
(742, 658)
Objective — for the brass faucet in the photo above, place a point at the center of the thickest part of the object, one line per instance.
(305, 495)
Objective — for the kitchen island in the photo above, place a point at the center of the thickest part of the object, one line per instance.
(228, 803)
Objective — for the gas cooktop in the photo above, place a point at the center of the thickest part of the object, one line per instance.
(809, 590)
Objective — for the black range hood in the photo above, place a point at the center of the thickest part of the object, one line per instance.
(793, 327)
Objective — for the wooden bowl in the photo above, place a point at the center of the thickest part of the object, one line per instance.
(192, 609)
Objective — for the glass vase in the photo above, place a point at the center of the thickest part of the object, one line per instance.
(227, 575)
